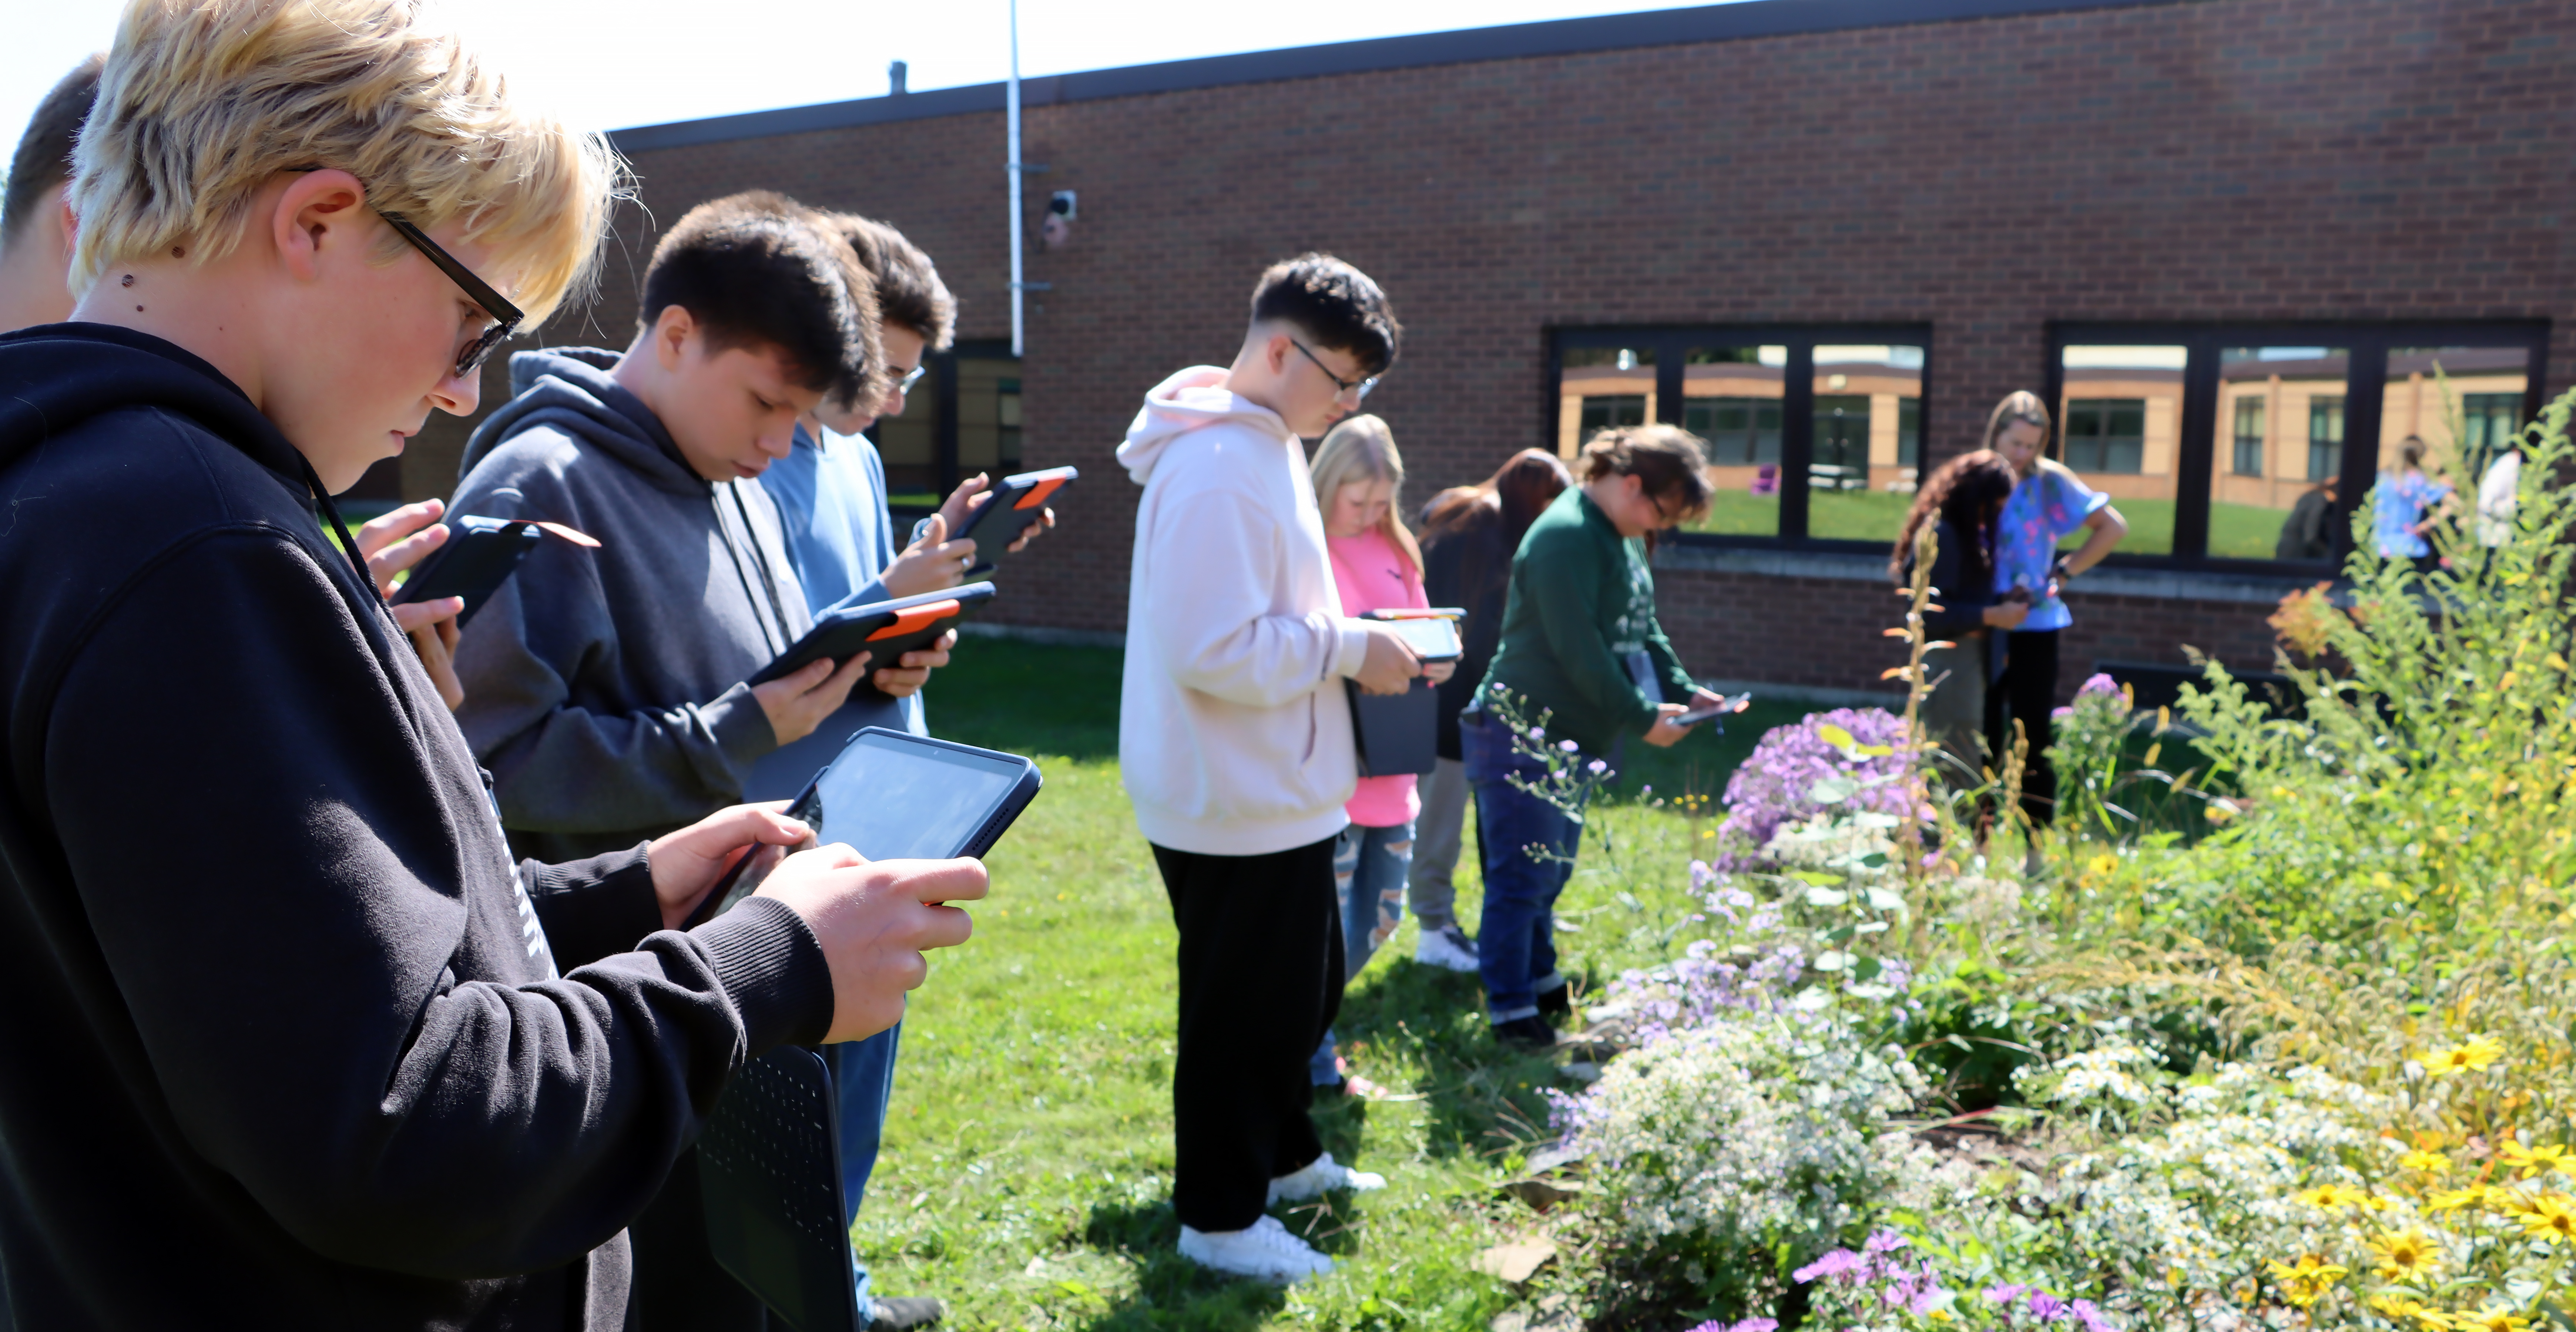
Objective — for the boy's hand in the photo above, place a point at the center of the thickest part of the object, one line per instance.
(907, 679)
(686, 864)
(396, 542)
(1046, 519)
(966, 498)
(932, 564)
(1664, 734)
(1438, 672)
(798, 703)
(874, 919)
(1390, 665)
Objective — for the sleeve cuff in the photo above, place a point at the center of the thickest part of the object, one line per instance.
(740, 726)
(594, 908)
(1352, 652)
(773, 969)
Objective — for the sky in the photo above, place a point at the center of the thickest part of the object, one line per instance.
(661, 60)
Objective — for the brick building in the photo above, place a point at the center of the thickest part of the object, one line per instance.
(1828, 234)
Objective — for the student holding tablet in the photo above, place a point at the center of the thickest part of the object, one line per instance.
(1376, 566)
(1234, 739)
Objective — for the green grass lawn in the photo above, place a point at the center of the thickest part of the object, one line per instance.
(2236, 531)
(1027, 1170)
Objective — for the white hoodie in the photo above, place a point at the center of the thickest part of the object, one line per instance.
(1234, 731)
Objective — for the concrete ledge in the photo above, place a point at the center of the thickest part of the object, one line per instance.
(2103, 581)
(1035, 633)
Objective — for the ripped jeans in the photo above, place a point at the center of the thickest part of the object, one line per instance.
(1369, 869)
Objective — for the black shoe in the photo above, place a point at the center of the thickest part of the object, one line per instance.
(1557, 1003)
(1526, 1033)
(903, 1313)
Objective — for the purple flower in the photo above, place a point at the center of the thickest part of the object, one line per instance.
(2000, 1295)
(1776, 784)
(1646, 790)
(1885, 1241)
(2098, 683)
(2090, 1317)
(1839, 1263)
(1538, 733)
(1596, 766)
(2060, 714)
(1748, 1325)
(1566, 745)
(2046, 1307)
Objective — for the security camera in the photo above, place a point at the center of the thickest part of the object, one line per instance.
(1062, 205)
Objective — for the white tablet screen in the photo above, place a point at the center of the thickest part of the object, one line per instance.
(893, 798)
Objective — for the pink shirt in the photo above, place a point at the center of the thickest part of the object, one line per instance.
(1373, 575)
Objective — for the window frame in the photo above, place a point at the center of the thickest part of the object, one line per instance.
(2367, 344)
(1797, 400)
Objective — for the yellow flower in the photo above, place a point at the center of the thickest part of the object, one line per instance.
(2431, 1163)
(2494, 1318)
(2326, 1197)
(2552, 1219)
(2511, 1202)
(2103, 865)
(2469, 1057)
(2404, 1255)
(2533, 1160)
(2459, 1198)
(2304, 1281)
(2393, 1306)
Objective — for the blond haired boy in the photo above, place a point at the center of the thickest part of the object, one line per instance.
(277, 991)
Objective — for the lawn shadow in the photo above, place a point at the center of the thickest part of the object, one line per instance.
(1480, 1098)
(1171, 1293)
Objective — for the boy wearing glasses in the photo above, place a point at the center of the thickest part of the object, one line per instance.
(1234, 739)
(271, 970)
(606, 690)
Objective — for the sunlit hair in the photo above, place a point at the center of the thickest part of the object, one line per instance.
(909, 291)
(1966, 492)
(204, 102)
(1363, 449)
(2018, 405)
(1670, 461)
(2411, 451)
(1515, 495)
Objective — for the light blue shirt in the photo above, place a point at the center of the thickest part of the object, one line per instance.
(831, 499)
(2047, 505)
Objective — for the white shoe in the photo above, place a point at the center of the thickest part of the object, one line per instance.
(1448, 948)
(1265, 1249)
(1323, 1173)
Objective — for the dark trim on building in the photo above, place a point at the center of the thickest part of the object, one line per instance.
(1518, 41)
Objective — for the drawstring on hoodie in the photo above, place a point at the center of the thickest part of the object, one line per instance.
(768, 580)
(348, 544)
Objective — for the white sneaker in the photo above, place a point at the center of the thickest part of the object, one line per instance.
(1265, 1250)
(1323, 1173)
(1448, 948)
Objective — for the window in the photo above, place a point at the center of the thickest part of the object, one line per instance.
(1806, 438)
(2249, 435)
(1007, 417)
(2255, 443)
(2106, 434)
(2325, 437)
(963, 417)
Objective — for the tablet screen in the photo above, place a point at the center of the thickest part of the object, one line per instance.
(891, 799)
(1436, 639)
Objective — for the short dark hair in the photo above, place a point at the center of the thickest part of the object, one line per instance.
(1333, 303)
(758, 269)
(909, 291)
(44, 156)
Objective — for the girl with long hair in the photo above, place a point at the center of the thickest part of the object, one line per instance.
(1964, 503)
(1376, 566)
(1468, 536)
(2048, 504)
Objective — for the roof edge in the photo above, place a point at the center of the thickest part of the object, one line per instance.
(1611, 32)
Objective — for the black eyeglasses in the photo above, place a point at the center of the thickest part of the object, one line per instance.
(1340, 385)
(506, 317)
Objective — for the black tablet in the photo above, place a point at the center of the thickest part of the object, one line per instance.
(892, 795)
(479, 556)
(885, 630)
(1432, 634)
(1016, 502)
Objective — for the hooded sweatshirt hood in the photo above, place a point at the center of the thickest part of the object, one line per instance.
(1234, 728)
(604, 689)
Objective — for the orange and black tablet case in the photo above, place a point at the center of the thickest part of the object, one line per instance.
(1018, 501)
(885, 630)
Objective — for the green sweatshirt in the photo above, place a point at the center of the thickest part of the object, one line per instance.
(1581, 608)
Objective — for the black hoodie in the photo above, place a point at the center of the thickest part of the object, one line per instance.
(284, 1042)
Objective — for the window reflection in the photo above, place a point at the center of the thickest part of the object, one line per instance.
(1602, 387)
(2272, 481)
(2463, 434)
(1731, 397)
(2120, 420)
(1867, 441)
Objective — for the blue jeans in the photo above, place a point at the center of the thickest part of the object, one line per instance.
(1369, 869)
(863, 1081)
(1528, 846)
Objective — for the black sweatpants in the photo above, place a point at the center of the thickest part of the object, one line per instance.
(2026, 693)
(1261, 979)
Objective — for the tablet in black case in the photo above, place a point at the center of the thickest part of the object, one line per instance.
(480, 555)
(1018, 501)
(885, 630)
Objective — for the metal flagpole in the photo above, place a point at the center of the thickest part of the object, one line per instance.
(1017, 324)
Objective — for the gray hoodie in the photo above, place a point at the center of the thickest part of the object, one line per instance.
(604, 688)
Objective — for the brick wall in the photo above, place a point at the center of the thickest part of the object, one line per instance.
(2225, 159)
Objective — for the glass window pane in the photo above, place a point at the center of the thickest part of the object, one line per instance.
(1868, 420)
(909, 445)
(1603, 387)
(2280, 418)
(1731, 399)
(984, 386)
(2120, 418)
(2464, 431)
